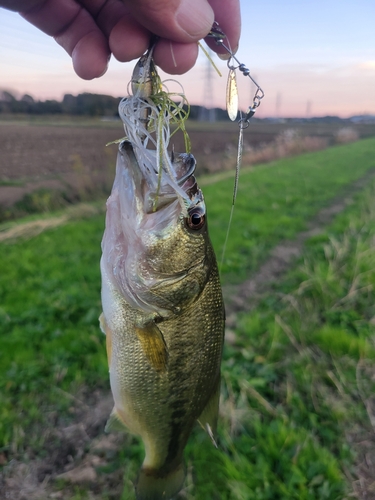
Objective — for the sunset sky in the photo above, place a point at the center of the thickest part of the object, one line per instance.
(312, 57)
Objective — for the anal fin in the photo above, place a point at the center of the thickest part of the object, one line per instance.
(103, 323)
(153, 345)
(115, 422)
(209, 416)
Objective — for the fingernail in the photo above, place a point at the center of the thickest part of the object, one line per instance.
(225, 56)
(106, 67)
(103, 72)
(195, 17)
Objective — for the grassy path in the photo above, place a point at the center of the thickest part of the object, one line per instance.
(302, 364)
(246, 295)
(274, 204)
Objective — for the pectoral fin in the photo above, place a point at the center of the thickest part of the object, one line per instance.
(108, 336)
(209, 416)
(154, 346)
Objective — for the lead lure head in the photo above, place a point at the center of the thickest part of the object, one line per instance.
(151, 115)
(145, 79)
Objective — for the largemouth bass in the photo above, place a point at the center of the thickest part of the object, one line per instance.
(163, 312)
(163, 316)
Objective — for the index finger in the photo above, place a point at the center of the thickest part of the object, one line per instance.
(228, 15)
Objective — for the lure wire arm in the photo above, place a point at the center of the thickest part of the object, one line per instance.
(218, 35)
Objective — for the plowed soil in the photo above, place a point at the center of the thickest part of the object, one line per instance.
(75, 158)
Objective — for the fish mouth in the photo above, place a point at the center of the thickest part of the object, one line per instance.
(156, 190)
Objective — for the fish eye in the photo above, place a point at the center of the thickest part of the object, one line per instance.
(196, 220)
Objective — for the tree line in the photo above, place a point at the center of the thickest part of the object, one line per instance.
(85, 104)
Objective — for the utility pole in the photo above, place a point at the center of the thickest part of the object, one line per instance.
(278, 105)
(308, 109)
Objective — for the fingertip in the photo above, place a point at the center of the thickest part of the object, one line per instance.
(128, 40)
(175, 58)
(228, 15)
(91, 56)
(183, 21)
(195, 18)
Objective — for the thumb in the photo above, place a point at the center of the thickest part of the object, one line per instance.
(177, 20)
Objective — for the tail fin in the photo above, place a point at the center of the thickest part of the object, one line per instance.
(151, 485)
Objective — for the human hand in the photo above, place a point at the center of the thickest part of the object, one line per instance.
(90, 30)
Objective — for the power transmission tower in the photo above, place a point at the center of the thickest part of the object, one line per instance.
(208, 112)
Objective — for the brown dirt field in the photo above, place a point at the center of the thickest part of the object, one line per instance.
(69, 155)
(34, 152)
(55, 158)
(76, 160)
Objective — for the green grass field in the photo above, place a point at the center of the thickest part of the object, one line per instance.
(276, 200)
(297, 375)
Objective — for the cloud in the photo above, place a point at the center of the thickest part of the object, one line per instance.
(367, 65)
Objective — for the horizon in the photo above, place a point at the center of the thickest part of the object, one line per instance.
(19, 96)
(320, 68)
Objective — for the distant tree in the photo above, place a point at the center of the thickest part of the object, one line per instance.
(196, 113)
(28, 99)
(49, 107)
(82, 104)
(7, 96)
(7, 99)
(90, 104)
(68, 104)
